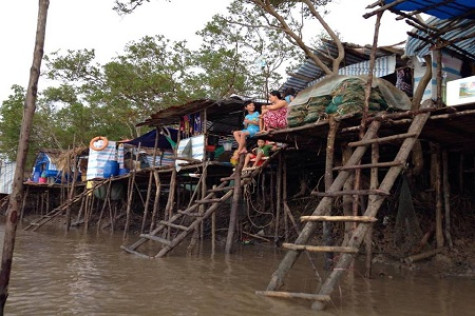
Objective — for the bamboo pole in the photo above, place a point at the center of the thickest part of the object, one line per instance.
(213, 231)
(278, 204)
(237, 195)
(439, 78)
(361, 219)
(73, 185)
(305, 296)
(329, 161)
(438, 198)
(422, 255)
(106, 197)
(347, 199)
(284, 196)
(130, 193)
(374, 183)
(23, 204)
(446, 188)
(156, 202)
(147, 201)
(461, 173)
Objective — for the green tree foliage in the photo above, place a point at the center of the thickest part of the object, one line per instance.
(241, 53)
(10, 122)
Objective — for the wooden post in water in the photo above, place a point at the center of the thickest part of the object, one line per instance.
(438, 198)
(11, 221)
(130, 193)
(278, 204)
(284, 196)
(235, 205)
(73, 184)
(446, 186)
(373, 185)
(156, 202)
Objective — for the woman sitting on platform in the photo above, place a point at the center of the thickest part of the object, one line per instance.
(274, 115)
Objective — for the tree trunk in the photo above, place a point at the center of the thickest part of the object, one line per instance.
(235, 205)
(16, 196)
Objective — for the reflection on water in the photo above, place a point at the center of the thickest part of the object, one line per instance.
(58, 274)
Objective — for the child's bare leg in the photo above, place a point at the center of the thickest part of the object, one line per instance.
(258, 158)
(246, 160)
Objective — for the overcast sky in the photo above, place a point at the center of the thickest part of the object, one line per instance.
(79, 24)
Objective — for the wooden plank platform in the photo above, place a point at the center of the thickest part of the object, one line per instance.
(312, 248)
(323, 218)
(305, 296)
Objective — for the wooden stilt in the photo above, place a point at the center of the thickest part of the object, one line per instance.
(104, 204)
(213, 231)
(284, 196)
(461, 173)
(278, 204)
(374, 183)
(237, 195)
(439, 231)
(329, 160)
(156, 202)
(171, 199)
(147, 202)
(347, 199)
(446, 188)
(23, 204)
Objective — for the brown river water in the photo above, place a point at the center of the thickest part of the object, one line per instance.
(88, 274)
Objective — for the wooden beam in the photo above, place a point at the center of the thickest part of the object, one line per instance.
(319, 248)
(315, 218)
(305, 296)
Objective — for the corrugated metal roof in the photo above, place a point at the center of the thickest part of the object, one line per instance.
(308, 72)
(420, 43)
(441, 9)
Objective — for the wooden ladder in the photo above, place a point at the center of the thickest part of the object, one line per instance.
(195, 218)
(377, 196)
(34, 225)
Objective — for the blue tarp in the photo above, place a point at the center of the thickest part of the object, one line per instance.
(437, 8)
(148, 139)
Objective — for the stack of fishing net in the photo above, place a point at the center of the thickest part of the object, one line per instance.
(308, 112)
(349, 97)
(337, 96)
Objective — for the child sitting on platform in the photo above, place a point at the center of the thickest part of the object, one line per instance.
(259, 154)
(251, 124)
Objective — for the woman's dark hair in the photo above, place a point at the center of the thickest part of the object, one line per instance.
(276, 93)
(289, 91)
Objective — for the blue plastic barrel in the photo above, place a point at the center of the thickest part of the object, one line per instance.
(111, 168)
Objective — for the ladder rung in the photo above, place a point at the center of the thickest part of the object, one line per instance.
(319, 248)
(351, 192)
(190, 214)
(381, 139)
(134, 252)
(185, 228)
(314, 218)
(369, 165)
(220, 189)
(247, 175)
(156, 238)
(207, 201)
(305, 296)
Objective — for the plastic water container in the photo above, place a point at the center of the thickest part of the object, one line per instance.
(111, 168)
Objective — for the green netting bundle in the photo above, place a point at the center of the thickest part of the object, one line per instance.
(316, 108)
(296, 115)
